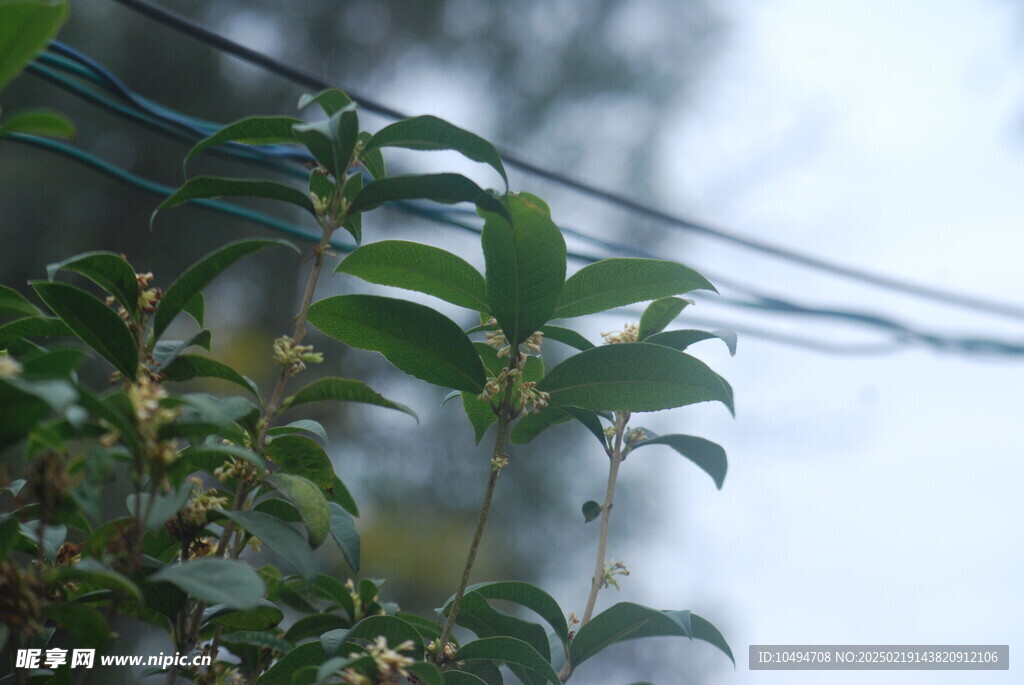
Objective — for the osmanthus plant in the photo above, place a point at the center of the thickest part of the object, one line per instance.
(213, 479)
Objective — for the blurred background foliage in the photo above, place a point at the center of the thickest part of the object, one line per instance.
(578, 87)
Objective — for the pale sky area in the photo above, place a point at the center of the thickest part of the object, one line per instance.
(870, 500)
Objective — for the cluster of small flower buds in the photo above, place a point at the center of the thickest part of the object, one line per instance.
(294, 357)
(145, 395)
(628, 334)
(497, 384)
(149, 298)
(532, 400)
(391, 664)
(635, 435)
(320, 204)
(9, 366)
(203, 547)
(498, 341)
(200, 503)
(235, 468)
(450, 650)
(616, 568)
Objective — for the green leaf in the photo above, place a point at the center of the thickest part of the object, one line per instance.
(95, 323)
(256, 639)
(166, 351)
(13, 303)
(393, 628)
(423, 268)
(331, 100)
(591, 510)
(9, 532)
(486, 621)
(342, 496)
(310, 502)
(263, 617)
(280, 537)
(313, 625)
(354, 221)
(590, 422)
(32, 327)
(462, 678)
(163, 507)
(531, 425)
(93, 572)
(216, 454)
(479, 413)
(427, 673)
(626, 621)
(25, 29)
(196, 308)
(634, 377)
(343, 530)
(309, 654)
(331, 141)
(107, 270)
(85, 623)
(216, 581)
(259, 130)
(431, 133)
(707, 455)
(444, 188)
(188, 366)
(302, 425)
(372, 160)
(659, 314)
(201, 274)
(214, 186)
(680, 340)
(39, 122)
(303, 457)
(416, 339)
(566, 336)
(343, 390)
(702, 629)
(510, 651)
(525, 259)
(619, 281)
(526, 595)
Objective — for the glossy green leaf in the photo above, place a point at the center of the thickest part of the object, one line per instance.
(419, 267)
(201, 187)
(156, 510)
(659, 314)
(25, 29)
(530, 426)
(354, 221)
(342, 496)
(427, 673)
(345, 534)
(510, 651)
(263, 617)
(258, 130)
(309, 654)
(107, 270)
(416, 339)
(331, 141)
(55, 363)
(39, 122)
(480, 414)
(166, 351)
(95, 323)
(591, 510)
(214, 454)
(486, 621)
(256, 639)
(709, 456)
(201, 274)
(344, 390)
(462, 678)
(280, 537)
(566, 336)
(529, 596)
(302, 425)
(370, 628)
(196, 308)
(626, 621)
(444, 188)
(680, 340)
(427, 628)
(216, 581)
(619, 281)
(372, 160)
(331, 100)
(589, 421)
(525, 267)
(702, 629)
(313, 625)
(189, 366)
(13, 303)
(32, 327)
(431, 133)
(634, 377)
(304, 457)
(310, 502)
(86, 624)
(95, 573)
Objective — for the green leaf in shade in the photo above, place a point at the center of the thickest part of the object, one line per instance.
(280, 537)
(427, 673)
(431, 133)
(486, 621)
(626, 621)
(263, 617)
(201, 274)
(702, 629)
(160, 508)
(331, 100)
(25, 29)
(188, 366)
(309, 654)
(444, 188)
(707, 455)
(166, 351)
(479, 413)
(336, 665)
(304, 457)
(341, 495)
(8, 535)
(354, 222)
(510, 651)
(343, 530)
(216, 581)
(256, 639)
(462, 678)
(566, 336)
(302, 425)
(13, 303)
(416, 339)
(344, 390)
(393, 628)
(591, 510)
(530, 426)
(216, 454)
(196, 308)
(680, 340)
(107, 270)
(659, 314)
(86, 624)
(32, 327)
(525, 259)
(310, 502)
(428, 629)
(95, 323)
(201, 187)
(39, 122)
(619, 281)
(526, 595)
(258, 130)
(634, 377)
(313, 625)
(93, 572)
(372, 160)
(590, 422)
(419, 267)
(331, 141)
